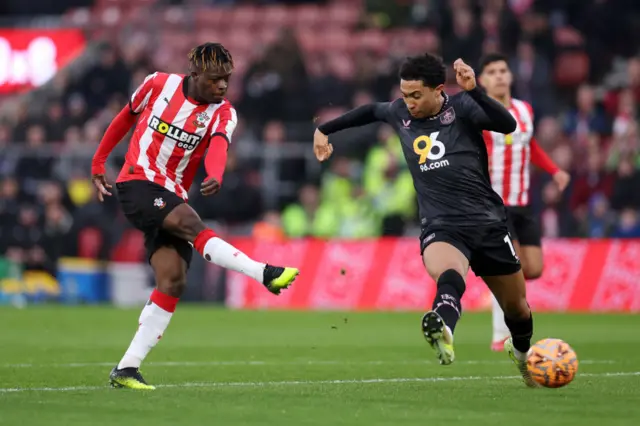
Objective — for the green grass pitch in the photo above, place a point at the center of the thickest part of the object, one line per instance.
(225, 367)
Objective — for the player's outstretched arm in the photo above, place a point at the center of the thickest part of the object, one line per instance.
(357, 117)
(484, 112)
(116, 131)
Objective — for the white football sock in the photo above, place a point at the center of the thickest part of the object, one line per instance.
(224, 254)
(519, 355)
(500, 329)
(153, 322)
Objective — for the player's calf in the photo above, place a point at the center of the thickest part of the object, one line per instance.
(510, 290)
(449, 291)
(520, 323)
(185, 223)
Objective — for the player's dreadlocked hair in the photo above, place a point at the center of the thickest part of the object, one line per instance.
(426, 68)
(210, 56)
(490, 58)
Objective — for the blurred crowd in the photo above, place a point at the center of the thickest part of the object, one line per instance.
(582, 79)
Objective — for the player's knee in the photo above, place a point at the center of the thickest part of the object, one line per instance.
(532, 271)
(452, 278)
(516, 308)
(190, 226)
(172, 284)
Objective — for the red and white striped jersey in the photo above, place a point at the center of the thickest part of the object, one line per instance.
(173, 133)
(510, 156)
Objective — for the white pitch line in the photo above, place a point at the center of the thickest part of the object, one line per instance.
(311, 382)
(274, 363)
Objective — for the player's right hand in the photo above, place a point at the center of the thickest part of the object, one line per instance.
(100, 181)
(562, 179)
(321, 146)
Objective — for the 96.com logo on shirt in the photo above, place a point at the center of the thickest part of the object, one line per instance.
(30, 58)
(430, 148)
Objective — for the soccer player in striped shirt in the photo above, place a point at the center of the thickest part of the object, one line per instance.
(179, 120)
(509, 164)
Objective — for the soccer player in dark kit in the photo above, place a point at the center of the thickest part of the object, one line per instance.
(179, 121)
(463, 220)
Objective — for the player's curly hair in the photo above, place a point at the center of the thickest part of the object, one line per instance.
(491, 58)
(427, 68)
(210, 56)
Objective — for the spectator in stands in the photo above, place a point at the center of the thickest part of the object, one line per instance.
(325, 88)
(626, 113)
(77, 110)
(626, 189)
(57, 224)
(109, 76)
(593, 180)
(37, 162)
(357, 217)
(290, 169)
(55, 123)
(310, 216)
(388, 183)
(587, 117)
(239, 200)
(532, 75)
(338, 181)
(628, 226)
(6, 159)
(600, 220)
(269, 228)
(625, 145)
(466, 39)
(73, 136)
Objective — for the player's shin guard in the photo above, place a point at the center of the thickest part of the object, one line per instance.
(218, 251)
(153, 322)
(521, 333)
(450, 289)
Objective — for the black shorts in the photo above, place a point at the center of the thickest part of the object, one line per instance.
(488, 248)
(524, 226)
(146, 205)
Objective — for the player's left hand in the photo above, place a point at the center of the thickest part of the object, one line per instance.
(465, 76)
(562, 179)
(210, 187)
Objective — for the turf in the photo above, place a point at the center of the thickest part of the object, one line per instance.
(261, 368)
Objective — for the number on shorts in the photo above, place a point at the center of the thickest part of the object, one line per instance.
(508, 241)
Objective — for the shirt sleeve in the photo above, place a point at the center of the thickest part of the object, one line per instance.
(361, 116)
(486, 113)
(140, 98)
(541, 159)
(226, 125)
(216, 158)
(117, 130)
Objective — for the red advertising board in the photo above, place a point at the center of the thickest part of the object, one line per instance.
(387, 274)
(30, 58)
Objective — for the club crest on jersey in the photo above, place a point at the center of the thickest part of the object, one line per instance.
(448, 116)
(159, 203)
(185, 140)
(201, 120)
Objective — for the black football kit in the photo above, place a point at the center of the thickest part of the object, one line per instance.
(447, 158)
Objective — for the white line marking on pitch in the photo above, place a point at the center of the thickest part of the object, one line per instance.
(311, 382)
(271, 363)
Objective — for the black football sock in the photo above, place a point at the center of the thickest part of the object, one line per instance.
(450, 289)
(521, 332)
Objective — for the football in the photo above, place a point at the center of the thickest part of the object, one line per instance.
(552, 363)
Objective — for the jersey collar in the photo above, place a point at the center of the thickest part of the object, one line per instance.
(445, 106)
